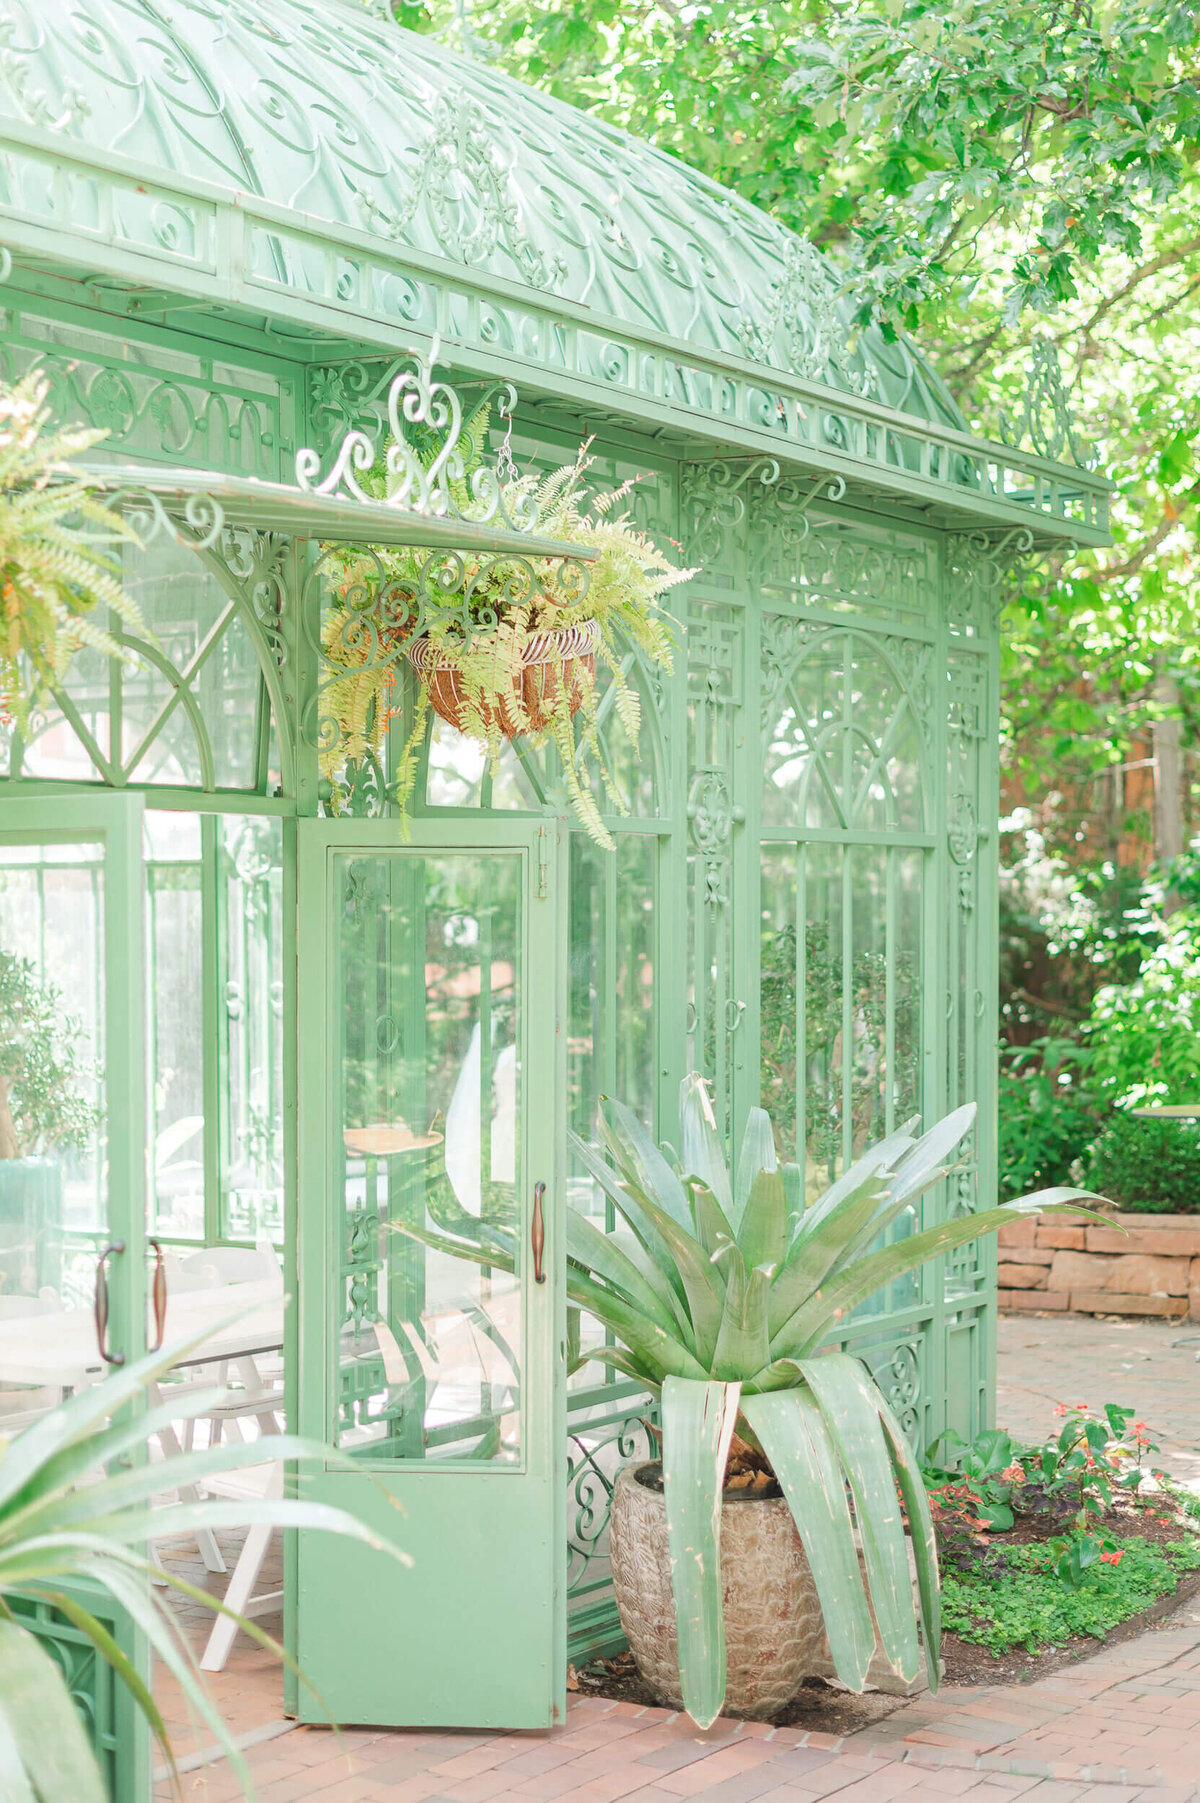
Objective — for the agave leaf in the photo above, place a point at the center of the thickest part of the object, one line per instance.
(486, 1246)
(659, 1352)
(820, 1245)
(924, 1540)
(702, 1154)
(702, 1284)
(45, 1756)
(621, 1195)
(619, 1360)
(852, 1418)
(650, 1169)
(698, 1421)
(762, 1231)
(105, 1446)
(125, 1488)
(599, 1254)
(810, 1322)
(794, 1437)
(712, 1226)
(793, 1190)
(882, 1157)
(663, 1288)
(757, 1154)
(933, 1149)
(742, 1344)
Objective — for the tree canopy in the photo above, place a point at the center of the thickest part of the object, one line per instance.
(983, 174)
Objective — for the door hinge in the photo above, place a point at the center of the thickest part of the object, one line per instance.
(543, 864)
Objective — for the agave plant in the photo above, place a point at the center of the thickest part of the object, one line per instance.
(71, 1506)
(718, 1293)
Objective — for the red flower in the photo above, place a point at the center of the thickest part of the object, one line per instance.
(1111, 1558)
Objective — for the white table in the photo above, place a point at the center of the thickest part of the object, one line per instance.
(59, 1350)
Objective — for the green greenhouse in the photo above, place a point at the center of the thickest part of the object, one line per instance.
(246, 239)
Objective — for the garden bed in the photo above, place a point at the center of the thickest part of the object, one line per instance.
(1047, 1553)
(1143, 1264)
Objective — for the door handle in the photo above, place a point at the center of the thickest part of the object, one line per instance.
(113, 1248)
(158, 1294)
(537, 1233)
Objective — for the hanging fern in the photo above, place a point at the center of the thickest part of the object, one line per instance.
(625, 585)
(52, 576)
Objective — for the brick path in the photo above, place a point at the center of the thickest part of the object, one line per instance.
(1122, 1728)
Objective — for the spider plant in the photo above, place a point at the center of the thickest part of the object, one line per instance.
(76, 1501)
(719, 1292)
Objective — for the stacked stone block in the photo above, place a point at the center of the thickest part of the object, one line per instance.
(1139, 1265)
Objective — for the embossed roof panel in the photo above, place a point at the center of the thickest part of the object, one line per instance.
(347, 118)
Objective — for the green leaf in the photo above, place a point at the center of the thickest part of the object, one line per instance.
(851, 1415)
(762, 1232)
(793, 1190)
(923, 1538)
(792, 1433)
(632, 1144)
(654, 1350)
(822, 1242)
(44, 1752)
(599, 1253)
(713, 1229)
(757, 1154)
(742, 1346)
(698, 1421)
(810, 1322)
(702, 1154)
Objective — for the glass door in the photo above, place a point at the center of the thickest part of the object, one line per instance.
(72, 1157)
(429, 1050)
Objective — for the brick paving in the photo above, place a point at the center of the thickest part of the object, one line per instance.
(1124, 1727)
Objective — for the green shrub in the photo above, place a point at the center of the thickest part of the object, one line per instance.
(1148, 1166)
(1143, 1035)
(1047, 1116)
(1011, 1597)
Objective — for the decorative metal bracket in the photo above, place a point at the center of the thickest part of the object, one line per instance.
(426, 466)
(1045, 419)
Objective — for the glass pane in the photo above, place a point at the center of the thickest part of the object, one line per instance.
(428, 1002)
(612, 1004)
(175, 1015)
(53, 1205)
(249, 854)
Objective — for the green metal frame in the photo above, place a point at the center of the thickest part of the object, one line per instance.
(833, 505)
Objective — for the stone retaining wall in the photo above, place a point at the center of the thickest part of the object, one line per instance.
(1152, 1268)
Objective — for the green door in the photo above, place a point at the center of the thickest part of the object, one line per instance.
(73, 1158)
(429, 1052)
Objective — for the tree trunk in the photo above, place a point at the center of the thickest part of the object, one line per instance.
(9, 1145)
(1168, 800)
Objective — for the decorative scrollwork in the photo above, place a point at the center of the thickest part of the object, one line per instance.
(714, 501)
(1045, 419)
(802, 321)
(428, 462)
(145, 514)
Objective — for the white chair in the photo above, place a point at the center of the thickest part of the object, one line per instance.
(256, 1483)
(247, 1388)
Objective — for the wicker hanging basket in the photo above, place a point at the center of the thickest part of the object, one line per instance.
(550, 663)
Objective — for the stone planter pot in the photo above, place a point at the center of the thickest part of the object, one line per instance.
(774, 1634)
(550, 663)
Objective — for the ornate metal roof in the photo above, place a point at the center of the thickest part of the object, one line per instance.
(342, 116)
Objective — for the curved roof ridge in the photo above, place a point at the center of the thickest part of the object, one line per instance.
(335, 112)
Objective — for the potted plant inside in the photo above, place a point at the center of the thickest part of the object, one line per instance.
(718, 1294)
(43, 1115)
(503, 646)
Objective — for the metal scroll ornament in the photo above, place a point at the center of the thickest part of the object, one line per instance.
(429, 467)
